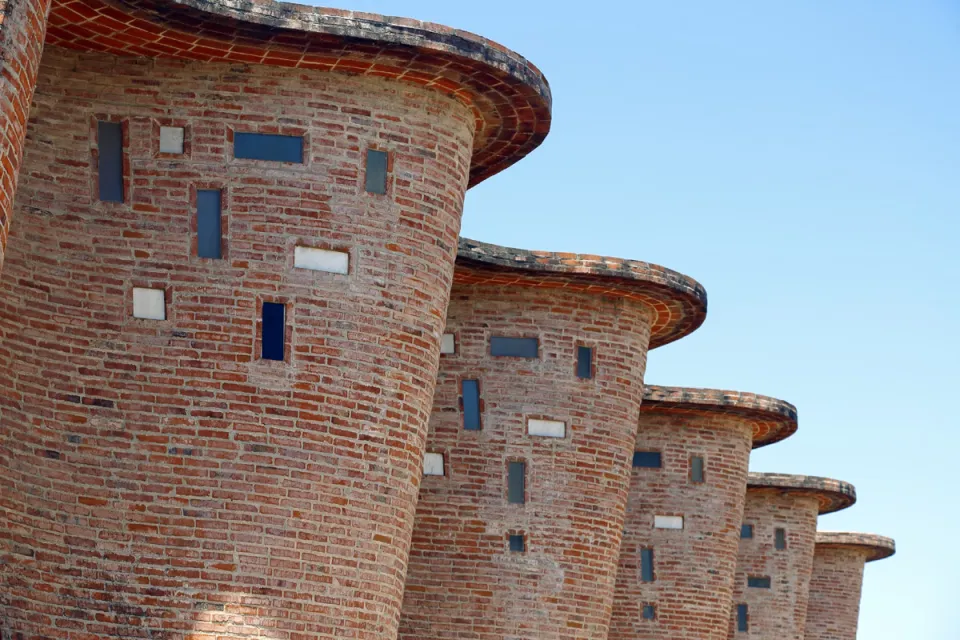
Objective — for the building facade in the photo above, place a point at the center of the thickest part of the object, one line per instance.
(254, 384)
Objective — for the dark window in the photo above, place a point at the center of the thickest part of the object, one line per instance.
(471, 405)
(208, 223)
(696, 468)
(780, 539)
(584, 362)
(646, 565)
(516, 543)
(376, 171)
(746, 531)
(273, 330)
(516, 482)
(758, 582)
(742, 622)
(646, 459)
(267, 146)
(516, 347)
(110, 161)
(649, 612)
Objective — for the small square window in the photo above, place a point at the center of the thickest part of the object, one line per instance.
(758, 582)
(149, 304)
(171, 140)
(647, 459)
(746, 531)
(649, 612)
(696, 469)
(780, 539)
(517, 543)
(433, 464)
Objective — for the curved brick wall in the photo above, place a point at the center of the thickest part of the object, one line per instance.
(834, 608)
(23, 26)
(792, 503)
(693, 568)
(463, 580)
(159, 479)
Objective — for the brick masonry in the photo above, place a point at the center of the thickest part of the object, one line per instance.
(791, 503)
(835, 586)
(693, 568)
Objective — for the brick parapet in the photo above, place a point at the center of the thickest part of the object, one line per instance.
(837, 580)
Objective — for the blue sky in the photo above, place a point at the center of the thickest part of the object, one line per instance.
(800, 159)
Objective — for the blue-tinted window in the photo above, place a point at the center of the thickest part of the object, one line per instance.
(649, 612)
(584, 362)
(742, 622)
(273, 329)
(268, 146)
(780, 539)
(758, 582)
(515, 347)
(646, 565)
(696, 469)
(516, 543)
(516, 482)
(746, 531)
(376, 181)
(110, 161)
(208, 223)
(471, 405)
(646, 459)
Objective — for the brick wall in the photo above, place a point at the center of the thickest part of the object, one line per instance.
(23, 25)
(693, 567)
(834, 606)
(158, 479)
(463, 581)
(780, 611)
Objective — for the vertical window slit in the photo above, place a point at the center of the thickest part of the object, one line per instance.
(208, 224)
(273, 329)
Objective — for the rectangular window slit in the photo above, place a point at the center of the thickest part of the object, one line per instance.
(646, 459)
(376, 181)
(208, 223)
(517, 543)
(110, 161)
(273, 329)
(696, 469)
(646, 565)
(516, 482)
(780, 539)
(649, 612)
(514, 347)
(746, 531)
(267, 146)
(584, 362)
(471, 404)
(742, 621)
(758, 582)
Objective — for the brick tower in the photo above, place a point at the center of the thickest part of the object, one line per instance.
(222, 304)
(679, 552)
(533, 430)
(838, 560)
(775, 560)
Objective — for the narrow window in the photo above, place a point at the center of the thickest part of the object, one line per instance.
(272, 337)
(516, 482)
(376, 171)
(517, 543)
(696, 469)
(208, 223)
(742, 621)
(649, 612)
(514, 347)
(646, 459)
(646, 565)
(265, 146)
(746, 531)
(584, 362)
(758, 582)
(110, 161)
(471, 404)
(780, 539)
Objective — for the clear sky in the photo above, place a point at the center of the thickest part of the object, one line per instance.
(799, 159)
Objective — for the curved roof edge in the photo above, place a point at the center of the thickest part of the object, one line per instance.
(773, 420)
(876, 547)
(679, 302)
(833, 495)
(510, 97)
